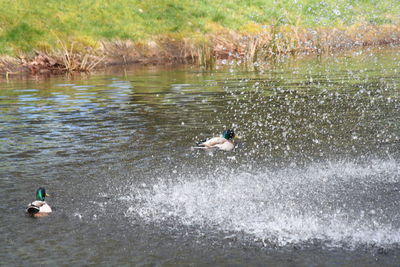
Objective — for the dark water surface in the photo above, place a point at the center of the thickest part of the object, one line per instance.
(314, 180)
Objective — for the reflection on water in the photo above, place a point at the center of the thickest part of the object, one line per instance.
(316, 169)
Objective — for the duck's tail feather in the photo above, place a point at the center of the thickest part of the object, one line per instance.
(32, 209)
(200, 143)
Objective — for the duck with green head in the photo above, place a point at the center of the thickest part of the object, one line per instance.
(224, 142)
(39, 207)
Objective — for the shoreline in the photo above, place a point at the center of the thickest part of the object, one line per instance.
(271, 42)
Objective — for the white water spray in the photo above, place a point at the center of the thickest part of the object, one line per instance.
(289, 206)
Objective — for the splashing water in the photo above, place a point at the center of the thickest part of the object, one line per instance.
(323, 202)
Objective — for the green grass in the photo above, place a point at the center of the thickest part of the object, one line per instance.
(26, 25)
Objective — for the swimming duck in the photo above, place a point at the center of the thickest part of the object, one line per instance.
(39, 207)
(224, 142)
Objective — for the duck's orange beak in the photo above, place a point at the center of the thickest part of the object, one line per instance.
(47, 195)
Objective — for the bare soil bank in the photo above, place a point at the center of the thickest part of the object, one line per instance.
(258, 47)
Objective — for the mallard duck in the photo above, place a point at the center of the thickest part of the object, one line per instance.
(39, 207)
(224, 142)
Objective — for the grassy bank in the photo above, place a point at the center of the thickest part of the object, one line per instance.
(135, 30)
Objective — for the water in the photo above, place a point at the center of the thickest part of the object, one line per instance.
(314, 179)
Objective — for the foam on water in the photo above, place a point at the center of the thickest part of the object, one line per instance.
(338, 204)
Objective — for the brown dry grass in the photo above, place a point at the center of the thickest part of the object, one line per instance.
(295, 40)
(206, 51)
